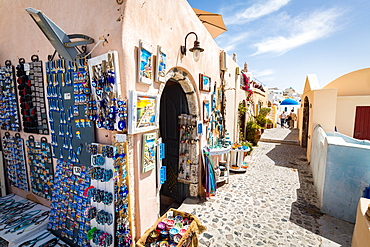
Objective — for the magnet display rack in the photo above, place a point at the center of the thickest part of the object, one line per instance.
(68, 91)
(32, 97)
(69, 203)
(9, 115)
(41, 166)
(13, 151)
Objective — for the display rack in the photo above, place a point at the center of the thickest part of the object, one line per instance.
(236, 162)
(223, 152)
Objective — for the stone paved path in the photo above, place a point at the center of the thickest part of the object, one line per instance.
(273, 203)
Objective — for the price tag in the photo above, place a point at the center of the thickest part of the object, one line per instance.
(67, 96)
(76, 170)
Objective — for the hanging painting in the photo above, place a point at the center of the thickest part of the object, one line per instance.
(161, 65)
(149, 152)
(206, 111)
(204, 83)
(143, 113)
(145, 63)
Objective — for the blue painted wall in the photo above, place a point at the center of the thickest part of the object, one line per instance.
(347, 174)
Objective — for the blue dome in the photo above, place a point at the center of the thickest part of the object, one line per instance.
(289, 102)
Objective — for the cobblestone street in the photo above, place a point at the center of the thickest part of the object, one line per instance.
(273, 203)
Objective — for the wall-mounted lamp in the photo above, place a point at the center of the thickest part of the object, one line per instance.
(196, 50)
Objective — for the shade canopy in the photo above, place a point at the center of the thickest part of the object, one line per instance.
(213, 22)
(289, 102)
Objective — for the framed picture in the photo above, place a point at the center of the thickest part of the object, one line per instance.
(204, 83)
(143, 114)
(161, 65)
(145, 63)
(149, 154)
(206, 111)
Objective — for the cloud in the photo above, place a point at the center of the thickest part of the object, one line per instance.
(229, 43)
(303, 30)
(256, 11)
(264, 72)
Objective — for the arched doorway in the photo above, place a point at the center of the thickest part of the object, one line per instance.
(178, 97)
(306, 120)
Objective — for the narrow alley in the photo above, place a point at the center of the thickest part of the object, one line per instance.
(273, 203)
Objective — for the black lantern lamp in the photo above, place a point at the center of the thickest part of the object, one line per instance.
(196, 50)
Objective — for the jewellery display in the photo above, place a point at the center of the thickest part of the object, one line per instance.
(9, 117)
(122, 196)
(68, 92)
(13, 151)
(105, 82)
(41, 166)
(31, 95)
(68, 207)
(187, 171)
(21, 218)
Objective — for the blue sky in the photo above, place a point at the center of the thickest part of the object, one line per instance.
(284, 40)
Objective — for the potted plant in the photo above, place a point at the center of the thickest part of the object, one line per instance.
(253, 132)
(269, 124)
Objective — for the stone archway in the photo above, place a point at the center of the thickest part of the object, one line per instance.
(181, 76)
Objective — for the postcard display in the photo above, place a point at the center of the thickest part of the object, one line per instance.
(9, 117)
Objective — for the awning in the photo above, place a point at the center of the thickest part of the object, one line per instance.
(213, 22)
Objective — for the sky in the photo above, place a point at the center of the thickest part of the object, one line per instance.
(282, 41)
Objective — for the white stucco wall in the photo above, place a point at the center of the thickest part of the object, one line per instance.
(346, 112)
(318, 160)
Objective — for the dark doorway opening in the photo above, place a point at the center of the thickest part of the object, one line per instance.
(306, 121)
(173, 103)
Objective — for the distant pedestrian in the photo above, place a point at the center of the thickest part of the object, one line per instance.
(282, 118)
(293, 118)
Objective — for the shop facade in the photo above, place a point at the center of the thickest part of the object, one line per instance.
(139, 42)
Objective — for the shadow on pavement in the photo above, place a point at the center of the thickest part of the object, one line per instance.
(305, 211)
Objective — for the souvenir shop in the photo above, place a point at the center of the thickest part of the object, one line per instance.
(107, 133)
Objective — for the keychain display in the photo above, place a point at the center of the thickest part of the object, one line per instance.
(69, 203)
(101, 194)
(32, 98)
(67, 92)
(187, 172)
(41, 166)
(13, 151)
(104, 103)
(9, 116)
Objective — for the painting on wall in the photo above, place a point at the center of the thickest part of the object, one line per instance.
(206, 110)
(143, 113)
(145, 65)
(161, 65)
(204, 83)
(149, 152)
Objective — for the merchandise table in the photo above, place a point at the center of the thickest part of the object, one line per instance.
(237, 162)
(222, 151)
(16, 237)
(49, 237)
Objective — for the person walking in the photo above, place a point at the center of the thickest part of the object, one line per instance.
(282, 119)
(293, 118)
